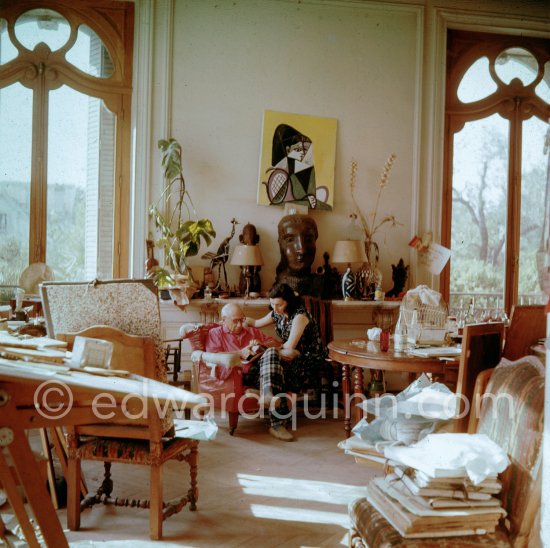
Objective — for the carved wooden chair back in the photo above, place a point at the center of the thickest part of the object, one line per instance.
(527, 325)
(481, 349)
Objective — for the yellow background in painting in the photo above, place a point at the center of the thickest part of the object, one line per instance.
(321, 131)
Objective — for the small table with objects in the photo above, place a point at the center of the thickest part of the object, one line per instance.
(355, 355)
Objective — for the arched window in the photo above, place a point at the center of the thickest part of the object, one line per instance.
(65, 92)
(496, 168)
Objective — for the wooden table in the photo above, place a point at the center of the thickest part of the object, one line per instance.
(73, 394)
(360, 354)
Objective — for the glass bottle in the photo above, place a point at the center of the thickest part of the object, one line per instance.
(413, 331)
(470, 313)
(400, 333)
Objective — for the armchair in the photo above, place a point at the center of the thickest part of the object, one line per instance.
(219, 376)
(512, 418)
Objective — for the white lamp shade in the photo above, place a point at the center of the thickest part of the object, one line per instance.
(247, 255)
(349, 251)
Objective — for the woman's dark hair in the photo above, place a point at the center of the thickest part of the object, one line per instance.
(285, 292)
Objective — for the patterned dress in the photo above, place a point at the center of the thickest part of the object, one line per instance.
(275, 376)
(306, 369)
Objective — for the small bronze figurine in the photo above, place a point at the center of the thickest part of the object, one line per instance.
(250, 236)
(400, 272)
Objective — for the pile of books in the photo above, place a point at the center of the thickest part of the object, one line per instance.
(364, 452)
(420, 505)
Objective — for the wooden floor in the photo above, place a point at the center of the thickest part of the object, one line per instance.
(254, 491)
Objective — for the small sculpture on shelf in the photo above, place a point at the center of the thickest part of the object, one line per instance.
(330, 279)
(250, 236)
(400, 273)
(221, 256)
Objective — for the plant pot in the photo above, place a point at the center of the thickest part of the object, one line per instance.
(182, 294)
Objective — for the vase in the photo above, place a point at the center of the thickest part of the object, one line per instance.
(348, 284)
(181, 294)
(369, 275)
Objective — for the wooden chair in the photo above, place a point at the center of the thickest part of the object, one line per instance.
(527, 326)
(129, 440)
(129, 305)
(481, 349)
(321, 312)
(513, 421)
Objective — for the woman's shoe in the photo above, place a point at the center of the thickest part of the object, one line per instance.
(279, 432)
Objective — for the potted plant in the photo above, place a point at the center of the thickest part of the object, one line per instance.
(180, 235)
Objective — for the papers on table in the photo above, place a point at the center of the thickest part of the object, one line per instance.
(30, 342)
(436, 351)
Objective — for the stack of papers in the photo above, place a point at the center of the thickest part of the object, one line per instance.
(364, 452)
(414, 517)
(445, 485)
(436, 351)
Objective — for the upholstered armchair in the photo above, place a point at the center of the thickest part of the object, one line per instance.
(219, 376)
(513, 419)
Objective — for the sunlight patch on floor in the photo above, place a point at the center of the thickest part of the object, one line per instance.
(296, 489)
(299, 514)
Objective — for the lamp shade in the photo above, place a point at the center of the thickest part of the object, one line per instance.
(349, 251)
(247, 255)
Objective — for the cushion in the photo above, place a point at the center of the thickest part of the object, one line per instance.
(196, 334)
(130, 451)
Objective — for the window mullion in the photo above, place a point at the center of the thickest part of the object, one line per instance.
(39, 170)
(514, 209)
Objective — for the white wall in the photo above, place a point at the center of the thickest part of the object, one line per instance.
(377, 67)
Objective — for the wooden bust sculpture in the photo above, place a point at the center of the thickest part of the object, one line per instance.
(297, 243)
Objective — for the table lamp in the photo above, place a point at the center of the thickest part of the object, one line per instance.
(349, 252)
(247, 256)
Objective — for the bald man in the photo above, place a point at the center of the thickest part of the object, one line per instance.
(234, 336)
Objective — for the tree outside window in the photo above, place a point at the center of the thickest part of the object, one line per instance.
(495, 218)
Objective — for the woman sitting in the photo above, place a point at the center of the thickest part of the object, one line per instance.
(275, 376)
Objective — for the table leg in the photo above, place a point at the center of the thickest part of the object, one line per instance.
(346, 389)
(16, 502)
(35, 489)
(358, 396)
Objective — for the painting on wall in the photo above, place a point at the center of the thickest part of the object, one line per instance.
(297, 160)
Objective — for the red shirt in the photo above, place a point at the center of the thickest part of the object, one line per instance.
(220, 339)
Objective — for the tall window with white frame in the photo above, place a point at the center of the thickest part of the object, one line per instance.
(65, 86)
(496, 169)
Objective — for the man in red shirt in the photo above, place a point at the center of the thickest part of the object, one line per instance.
(234, 336)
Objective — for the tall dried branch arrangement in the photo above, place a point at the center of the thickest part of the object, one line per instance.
(370, 227)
